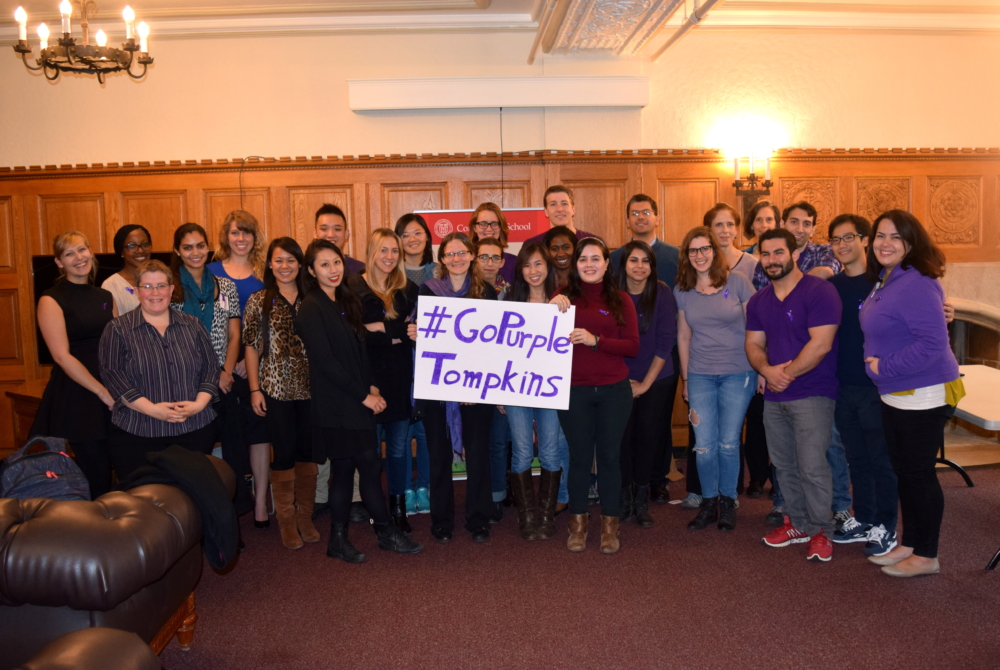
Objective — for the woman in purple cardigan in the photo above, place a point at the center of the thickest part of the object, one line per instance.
(910, 360)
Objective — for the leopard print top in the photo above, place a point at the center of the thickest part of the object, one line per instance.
(284, 372)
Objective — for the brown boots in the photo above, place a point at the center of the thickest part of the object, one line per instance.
(294, 497)
(283, 490)
(535, 518)
(305, 500)
(578, 533)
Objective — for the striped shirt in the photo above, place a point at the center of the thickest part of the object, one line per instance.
(137, 362)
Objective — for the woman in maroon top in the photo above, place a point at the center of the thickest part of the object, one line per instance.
(600, 400)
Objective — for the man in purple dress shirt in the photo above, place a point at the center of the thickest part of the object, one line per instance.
(331, 224)
(560, 210)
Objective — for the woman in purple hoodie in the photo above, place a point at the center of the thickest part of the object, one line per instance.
(910, 360)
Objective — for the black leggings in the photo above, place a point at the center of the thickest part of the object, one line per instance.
(754, 451)
(646, 432)
(128, 451)
(94, 461)
(369, 466)
(288, 425)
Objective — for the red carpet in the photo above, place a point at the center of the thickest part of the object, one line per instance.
(671, 598)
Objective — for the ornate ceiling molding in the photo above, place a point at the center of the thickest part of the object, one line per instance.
(618, 26)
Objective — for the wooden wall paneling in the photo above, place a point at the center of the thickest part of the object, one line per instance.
(279, 211)
(874, 195)
(161, 212)
(600, 192)
(683, 204)
(362, 216)
(218, 203)
(399, 199)
(821, 192)
(538, 185)
(8, 252)
(112, 217)
(955, 209)
(302, 206)
(83, 212)
(509, 194)
(10, 345)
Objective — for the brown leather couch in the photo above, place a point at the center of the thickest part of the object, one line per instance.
(95, 649)
(128, 560)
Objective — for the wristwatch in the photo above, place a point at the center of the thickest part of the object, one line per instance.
(597, 340)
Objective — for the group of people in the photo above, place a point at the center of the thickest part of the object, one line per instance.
(835, 357)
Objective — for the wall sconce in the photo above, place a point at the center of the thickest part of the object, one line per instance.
(752, 194)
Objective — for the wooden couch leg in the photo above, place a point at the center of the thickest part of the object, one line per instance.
(185, 634)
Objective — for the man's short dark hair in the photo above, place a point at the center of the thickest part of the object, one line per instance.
(558, 188)
(327, 208)
(642, 197)
(775, 234)
(860, 223)
(804, 206)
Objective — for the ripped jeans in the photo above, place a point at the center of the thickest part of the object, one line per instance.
(718, 405)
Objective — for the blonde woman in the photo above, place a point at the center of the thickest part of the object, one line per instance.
(387, 300)
(71, 316)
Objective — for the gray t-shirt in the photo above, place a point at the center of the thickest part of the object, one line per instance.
(718, 327)
(745, 266)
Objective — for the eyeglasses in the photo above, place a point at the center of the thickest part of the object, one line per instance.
(702, 251)
(849, 237)
(456, 254)
(486, 258)
(646, 212)
(132, 246)
(154, 287)
(488, 224)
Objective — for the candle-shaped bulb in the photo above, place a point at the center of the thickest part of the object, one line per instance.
(767, 170)
(129, 17)
(143, 35)
(21, 17)
(43, 35)
(751, 163)
(66, 11)
(736, 169)
(102, 39)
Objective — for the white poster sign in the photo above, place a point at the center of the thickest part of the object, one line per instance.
(493, 352)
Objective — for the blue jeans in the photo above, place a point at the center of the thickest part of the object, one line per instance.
(553, 450)
(720, 403)
(416, 430)
(395, 455)
(837, 459)
(499, 436)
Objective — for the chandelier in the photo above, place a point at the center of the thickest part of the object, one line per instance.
(85, 58)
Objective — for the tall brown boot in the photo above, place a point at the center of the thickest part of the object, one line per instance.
(609, 534)
(283, 487)
(548, 491)
(305, 499)
(577, 532)
(522, 489)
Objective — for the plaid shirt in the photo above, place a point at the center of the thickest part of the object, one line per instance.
(813, 256)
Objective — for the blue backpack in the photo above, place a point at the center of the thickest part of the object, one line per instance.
(49, 473)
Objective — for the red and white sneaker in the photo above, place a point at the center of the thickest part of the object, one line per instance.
(820, 548)
(786, 535)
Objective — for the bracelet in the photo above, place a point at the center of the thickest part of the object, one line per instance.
(255, 390)
(683, 380)
(597, 340)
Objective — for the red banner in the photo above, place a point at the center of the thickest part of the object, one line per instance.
(522, 224)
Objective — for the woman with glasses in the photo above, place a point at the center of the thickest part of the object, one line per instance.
(460, 278)
(71, 317)
(488, 220)
(133, 243)
(153, 410)
(388, 299)
(606, 332)
(345, 401)
(718, 380)
(649, 375)
(418, 259)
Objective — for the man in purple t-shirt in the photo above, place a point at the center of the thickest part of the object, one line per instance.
(792, 342)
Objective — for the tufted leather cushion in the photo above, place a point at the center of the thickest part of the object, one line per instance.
(92, 555)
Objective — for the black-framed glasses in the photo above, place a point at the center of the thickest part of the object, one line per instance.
(132, 246)
(849, 237)
(486, 258)
(700, 251)
(488, 225)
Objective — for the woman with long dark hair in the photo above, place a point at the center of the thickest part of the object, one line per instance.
(717, 378)
(345, 401)
(387, 300)
(133, 243)
(909, 358)
(418, 257)
(71, 317)
(278, 373)
(649, 374)
(535, 281)
(460, 278)
(606, 332)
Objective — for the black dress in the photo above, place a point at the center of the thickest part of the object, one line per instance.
(392, 364)
(68, 410)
